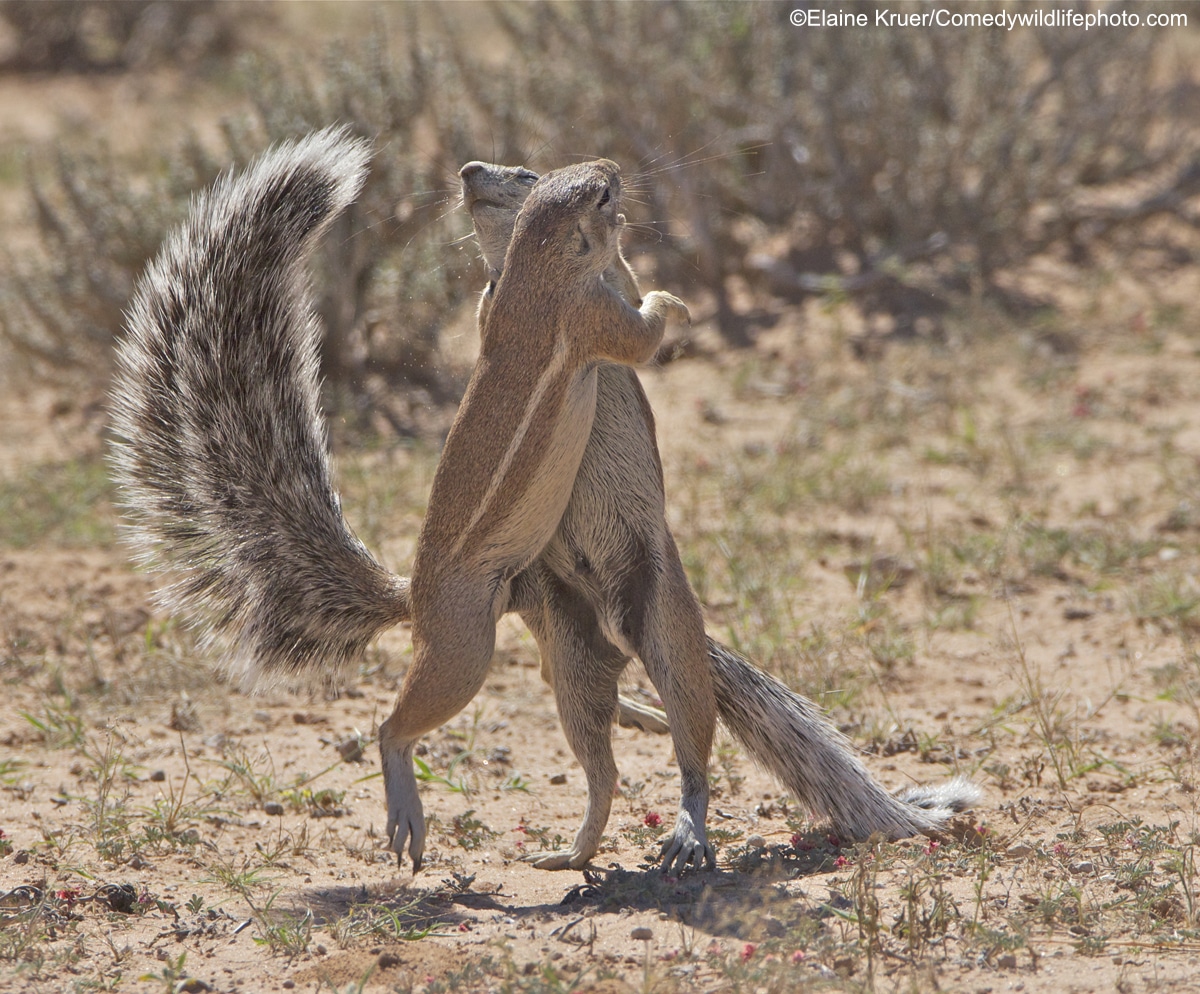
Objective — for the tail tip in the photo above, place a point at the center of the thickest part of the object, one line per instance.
(955, 795)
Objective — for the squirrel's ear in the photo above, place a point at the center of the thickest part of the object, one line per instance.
(579, 241)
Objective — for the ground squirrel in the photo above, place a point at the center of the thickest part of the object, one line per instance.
(224, 472)
(614, 551)
(509, 463)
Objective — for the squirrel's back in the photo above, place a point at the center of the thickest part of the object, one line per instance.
(222, 458)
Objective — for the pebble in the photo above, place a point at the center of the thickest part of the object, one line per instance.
(1018, 851)
(273, 808)
(351, 749)
(756, 842)
(158, 776)
(642, 934)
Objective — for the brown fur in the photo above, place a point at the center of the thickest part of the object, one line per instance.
(509, 463)
(610, 585)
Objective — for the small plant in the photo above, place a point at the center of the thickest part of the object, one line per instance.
(425, 774)
(469, 832)
(170, 975)
(279, 931)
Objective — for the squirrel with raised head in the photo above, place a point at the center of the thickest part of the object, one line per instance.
(225, 473)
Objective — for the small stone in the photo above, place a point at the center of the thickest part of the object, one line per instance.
(558, 779)
(289, 984)
(158, 776)
(388, 960)
(184, 717)
(351, 748)
(1019, 851)
(756, 842)
(21, 856)
(189, 837)
(273, 808)
(193, 985)
(1007, 962)
(642, 934)
(321, 950)
(1084, 866)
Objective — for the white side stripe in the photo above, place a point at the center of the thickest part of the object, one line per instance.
(552, 371)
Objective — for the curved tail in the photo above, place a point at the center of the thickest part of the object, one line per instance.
(222, 458)
(793, 740)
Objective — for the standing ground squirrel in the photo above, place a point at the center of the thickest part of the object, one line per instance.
(614, 555)
(509, 463)
(225, 475)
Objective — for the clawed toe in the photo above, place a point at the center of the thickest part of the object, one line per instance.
(559, 859)
(678, 854)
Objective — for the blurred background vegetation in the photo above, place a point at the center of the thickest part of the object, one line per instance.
(900, 173)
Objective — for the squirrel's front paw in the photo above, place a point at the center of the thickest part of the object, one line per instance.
(668, 304)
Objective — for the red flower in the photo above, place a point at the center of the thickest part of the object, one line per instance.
(798, 956)
(841, 862)
(653, 819)
(748, 951)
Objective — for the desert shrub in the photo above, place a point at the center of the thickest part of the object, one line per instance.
(108, 35)
(895, 164)
(898, 167)
(99, 218)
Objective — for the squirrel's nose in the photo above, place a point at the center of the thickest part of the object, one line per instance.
(470, 169)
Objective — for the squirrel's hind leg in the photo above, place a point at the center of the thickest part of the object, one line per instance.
(660, 619)
(584, 667)
(454, 635)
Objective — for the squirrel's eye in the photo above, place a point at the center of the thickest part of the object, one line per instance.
(604, 198)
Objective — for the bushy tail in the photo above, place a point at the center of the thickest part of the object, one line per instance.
(793, 740)
(222, 458)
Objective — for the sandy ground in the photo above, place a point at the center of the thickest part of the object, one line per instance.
(126, 724)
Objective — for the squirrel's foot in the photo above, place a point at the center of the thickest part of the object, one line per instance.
(687, 845)
(557, 859)
(406, 815)
(631, 714)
